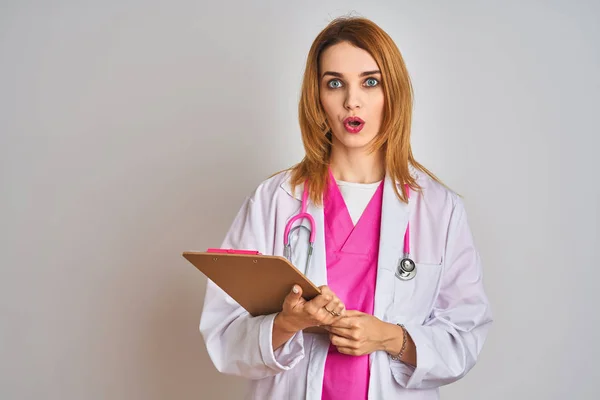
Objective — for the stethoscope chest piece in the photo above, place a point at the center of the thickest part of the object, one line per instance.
(406, 269)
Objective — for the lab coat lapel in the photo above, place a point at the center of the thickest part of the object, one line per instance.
(317, 272)
(394, 219)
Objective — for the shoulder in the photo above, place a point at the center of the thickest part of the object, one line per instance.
(272, 187)
(444, 208)
(434, 194)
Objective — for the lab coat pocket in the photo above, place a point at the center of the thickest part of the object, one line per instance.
(416, 297)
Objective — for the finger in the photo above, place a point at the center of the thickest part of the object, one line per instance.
(343, 332)
(349, 351)
(319, 301)
(293, 298)
(325, 316)
(316, 312)
(340, 341)
(340, 310)
(334, 307)
(331, 317)
(345, 322)
(326, 290)
(353, 313)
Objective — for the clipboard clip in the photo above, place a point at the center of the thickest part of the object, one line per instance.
(233, 251)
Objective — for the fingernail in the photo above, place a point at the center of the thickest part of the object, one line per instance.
(295, 289)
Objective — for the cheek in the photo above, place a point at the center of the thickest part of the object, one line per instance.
(377, 107)
(379, 102)
(326, 107)
(331, 104)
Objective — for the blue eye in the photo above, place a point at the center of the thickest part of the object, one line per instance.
(371, 82)
(334, 81)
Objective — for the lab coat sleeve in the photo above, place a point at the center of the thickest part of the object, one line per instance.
(237, 343)
(448, 343)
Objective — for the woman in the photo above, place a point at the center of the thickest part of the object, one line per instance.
(391, 332)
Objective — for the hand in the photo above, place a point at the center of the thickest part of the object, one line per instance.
(358, 333)
(298, 314)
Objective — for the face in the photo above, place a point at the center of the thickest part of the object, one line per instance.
(351, 95)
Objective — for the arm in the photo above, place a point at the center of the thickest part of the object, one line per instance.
(281, 332)
(449, 342)
(237, 343)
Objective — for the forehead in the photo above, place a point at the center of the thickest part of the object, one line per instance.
(346, 59)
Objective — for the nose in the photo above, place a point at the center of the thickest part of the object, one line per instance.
(352, 101)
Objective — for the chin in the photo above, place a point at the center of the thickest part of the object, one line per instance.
(354, 141)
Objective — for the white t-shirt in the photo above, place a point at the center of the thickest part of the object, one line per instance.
(357, 196)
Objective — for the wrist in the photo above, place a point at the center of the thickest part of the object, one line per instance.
(393, 339)
(282, 323)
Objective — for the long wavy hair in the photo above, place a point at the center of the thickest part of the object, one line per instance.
(394, 135)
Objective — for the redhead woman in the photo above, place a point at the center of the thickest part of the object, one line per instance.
(402, 297)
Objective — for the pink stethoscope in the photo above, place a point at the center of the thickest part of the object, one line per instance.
(405, 271)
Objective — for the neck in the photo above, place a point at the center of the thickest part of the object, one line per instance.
(358, 166)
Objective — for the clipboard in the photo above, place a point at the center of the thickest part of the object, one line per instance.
(257, 282)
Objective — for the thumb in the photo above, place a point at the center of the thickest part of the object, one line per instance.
(294, 296)
(297, 291)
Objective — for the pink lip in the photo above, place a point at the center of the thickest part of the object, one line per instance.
(351, 128)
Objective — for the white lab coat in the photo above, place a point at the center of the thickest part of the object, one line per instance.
(444, 308)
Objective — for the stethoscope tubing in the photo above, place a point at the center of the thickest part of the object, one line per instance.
(406, 269)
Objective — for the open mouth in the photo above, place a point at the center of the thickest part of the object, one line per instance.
(353, 124)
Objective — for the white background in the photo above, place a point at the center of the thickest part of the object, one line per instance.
(131, 131)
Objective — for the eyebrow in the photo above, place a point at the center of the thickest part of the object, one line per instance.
(338, 75)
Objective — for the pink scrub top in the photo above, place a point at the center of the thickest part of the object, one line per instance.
(351, 253)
